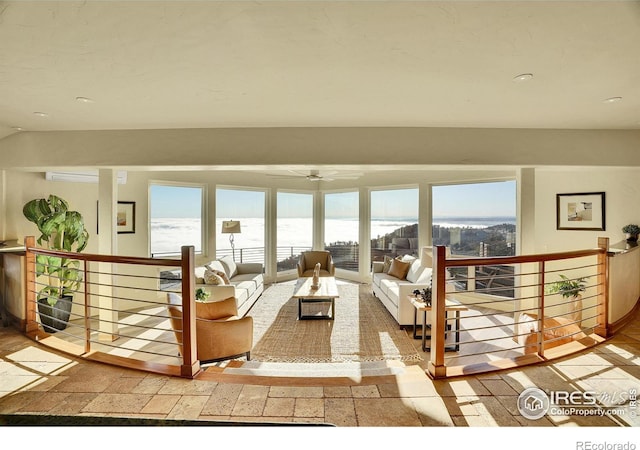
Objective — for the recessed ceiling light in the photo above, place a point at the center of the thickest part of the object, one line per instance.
(523, 77)
(17, 128)
(612, 99)
(84, 100)
(41, 114)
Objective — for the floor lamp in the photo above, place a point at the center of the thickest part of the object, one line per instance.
(231, 227)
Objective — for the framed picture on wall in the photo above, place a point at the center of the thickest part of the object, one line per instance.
(126, 217)
(581, 211)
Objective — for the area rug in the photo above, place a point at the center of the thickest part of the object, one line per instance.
(362, 331)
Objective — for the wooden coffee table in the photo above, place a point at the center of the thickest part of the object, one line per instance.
(327, 292)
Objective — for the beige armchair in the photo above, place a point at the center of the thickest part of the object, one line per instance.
(220, 333)
(309, 259)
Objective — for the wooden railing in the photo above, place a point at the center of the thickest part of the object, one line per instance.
(120, 315)
(540, 320)
(116, 297)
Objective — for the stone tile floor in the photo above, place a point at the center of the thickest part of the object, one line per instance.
(35, 381)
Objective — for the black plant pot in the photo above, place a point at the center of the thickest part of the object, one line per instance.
(55, 318)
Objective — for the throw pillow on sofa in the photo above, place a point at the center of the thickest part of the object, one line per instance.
(214, 272)
(230, 266)
(212, 278)
(399, 269)
(387, 264)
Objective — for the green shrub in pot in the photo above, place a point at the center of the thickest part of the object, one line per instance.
(60, 229)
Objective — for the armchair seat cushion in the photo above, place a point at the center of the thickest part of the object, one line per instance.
(308, 260)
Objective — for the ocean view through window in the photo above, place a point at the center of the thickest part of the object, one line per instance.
(176, 216)
(342, 229)
(247, 206)
(399, 206)
(477, 219)
(294, 228)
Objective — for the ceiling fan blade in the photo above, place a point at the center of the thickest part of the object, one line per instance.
(285, 177)
(347, 176)
(299, 174)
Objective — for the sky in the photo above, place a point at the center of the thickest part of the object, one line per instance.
(466, 200)
(475, 200)
(175, 202)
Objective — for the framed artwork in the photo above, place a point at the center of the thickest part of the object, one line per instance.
(582, 211)
(126, 217)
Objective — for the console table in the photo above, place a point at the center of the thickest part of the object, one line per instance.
(450, 305)
(6, 247)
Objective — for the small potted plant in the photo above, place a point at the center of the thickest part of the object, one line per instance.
(571, 289)
(631, 231)
(202, 295)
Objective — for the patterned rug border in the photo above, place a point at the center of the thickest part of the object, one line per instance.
(275, 316)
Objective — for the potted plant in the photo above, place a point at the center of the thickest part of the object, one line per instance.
(570, 289)
(202, 295)
(632, 231)
(60, 229)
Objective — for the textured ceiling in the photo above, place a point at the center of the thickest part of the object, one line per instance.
(181, 64)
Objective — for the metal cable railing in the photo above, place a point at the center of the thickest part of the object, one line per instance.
(540, 313)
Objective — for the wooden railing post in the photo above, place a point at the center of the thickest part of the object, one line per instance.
(541, 288)
(602, 308)
(436, 365)
(190, 364)
(30, 285)
(87, 309)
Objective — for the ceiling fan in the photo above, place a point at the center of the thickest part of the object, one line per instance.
(316, 175)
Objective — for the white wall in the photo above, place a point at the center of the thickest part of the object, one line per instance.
(622, 200)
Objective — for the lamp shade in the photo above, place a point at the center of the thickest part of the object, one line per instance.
(231, 226)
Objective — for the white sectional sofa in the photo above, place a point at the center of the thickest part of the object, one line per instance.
(246, 282)
(394, 292)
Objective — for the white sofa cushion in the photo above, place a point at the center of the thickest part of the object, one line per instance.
(415, 270)
(229, 265)
(419, 274)
(216, 265)
(255, 279)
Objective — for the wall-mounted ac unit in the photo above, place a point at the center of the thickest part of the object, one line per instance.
(90, 176)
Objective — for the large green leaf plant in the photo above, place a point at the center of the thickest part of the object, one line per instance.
(60, 229)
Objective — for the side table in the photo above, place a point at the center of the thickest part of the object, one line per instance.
(450, 305)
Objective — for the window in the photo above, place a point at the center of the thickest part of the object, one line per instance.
(176, 216)
(341, 229)
(477, 219)
(394, 223)
(247, 207)
(295, 228)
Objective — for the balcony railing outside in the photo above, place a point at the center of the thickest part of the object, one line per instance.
(345, 255)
